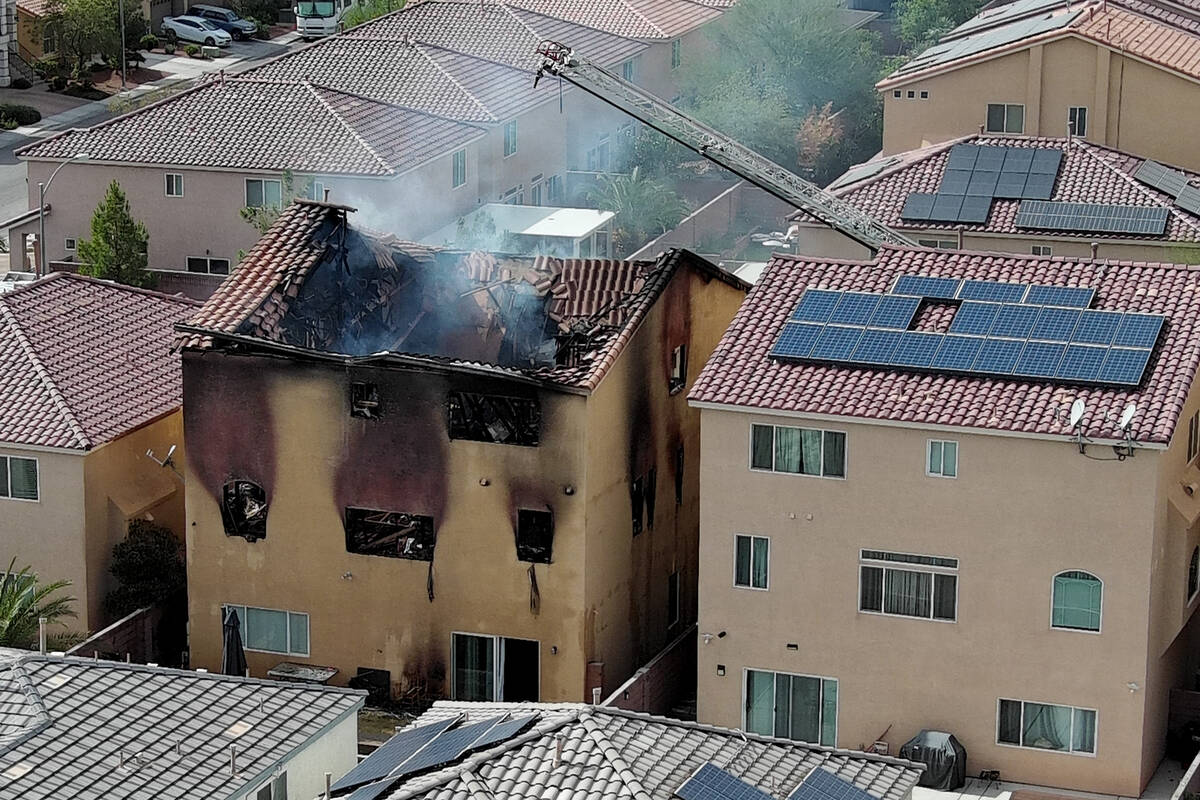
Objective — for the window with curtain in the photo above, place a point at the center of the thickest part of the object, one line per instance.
(1044, 726)
(751, 561)
(798, 451)
(1077, 601)
(270, 630)
(927, 593)
(19, 478)
(1193, 573)
(799, 707)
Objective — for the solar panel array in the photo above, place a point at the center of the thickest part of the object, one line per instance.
(999, 329)
(1092, 217)
(977, 174)
(710, 782)
(1172, 182)
(821, 784)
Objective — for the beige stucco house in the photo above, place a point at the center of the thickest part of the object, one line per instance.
(472, 475)
(1114, 74)
(88, 386)
(966, 516)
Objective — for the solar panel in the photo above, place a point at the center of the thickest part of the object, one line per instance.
(957, 353)
(975, 209)
(503, 731)
(1046, 161)
(1070, 296)
(713, 783)
(445, 749)
(991, 157)
(1038, 187)
(1011, 185)
(992, 290)
(392, 753)
(1138, 330)
(876, 346)
(1189, 199)
(821, 784)
(916, 349)
(1039, 359)
(927, 286)
(1055, 324)
(796, 340)
(962, 156)
(1015, 321)
(1096, 327)
(855, 308)
(946, 207)
(919, 205)
(1081, 362)
(983, 183)
(955, 181)
(1162, 178)
(895, 311)
(1123, 365)
(997, 356)
(836, 343)
(1092, 217)
(974, 318)
(816, 305)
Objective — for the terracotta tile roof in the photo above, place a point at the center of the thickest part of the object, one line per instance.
(289, 286)
(36, 8)
(640, 19)
(249, 123)
(1150, 39)
(1089, 174)
(82, 361)
(740, 373)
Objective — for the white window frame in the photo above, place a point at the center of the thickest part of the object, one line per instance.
(511, 125)
(939, 244)
(864, 560)
(455, 158)
(629, 69)
(753, 537)
(243, 618)
(264, 182)
(1007, 107)
(178, 176)
(37, 466)
(316, 190)
(929, 443)
(821, 718)
(70, 244)
(1070, 127)
(1099, 627)
(1043, 250)
(208, 264)
(497, 661)
(1070, 737)
(823, 431)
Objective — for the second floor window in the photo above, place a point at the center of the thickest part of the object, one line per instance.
(1076, 602)
(263, 193)
(1005, 118)
(458, 169)
(908, 585)
(1077, 120)
(678, 368)
(174, 184)
(1041, 250)
(510, 138)
(752, 556)
(799, 451)
(942, 461)
(18, 478)
(211, 266)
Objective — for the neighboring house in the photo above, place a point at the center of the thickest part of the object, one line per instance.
(95, 730)
(507, 751)
(963, 195)
(34, 38)
(530, 230)
(415, 118)
(471, 475)
(1120, 73)
(956, 546)
(88, 385)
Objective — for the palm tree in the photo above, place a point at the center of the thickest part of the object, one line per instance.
(23, 600)
(644, 207)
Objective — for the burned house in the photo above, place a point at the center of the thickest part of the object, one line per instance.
(460, 474)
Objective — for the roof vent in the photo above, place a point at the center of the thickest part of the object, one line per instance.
(17, 770)
(238, 728)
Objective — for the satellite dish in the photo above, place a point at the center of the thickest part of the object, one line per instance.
(1127, 416)
(170, 453)
(1077, 409)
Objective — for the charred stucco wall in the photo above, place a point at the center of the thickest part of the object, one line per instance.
(288, 427)
(635, 424)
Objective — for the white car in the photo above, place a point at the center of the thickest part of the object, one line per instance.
(11, 280)
(194, 29)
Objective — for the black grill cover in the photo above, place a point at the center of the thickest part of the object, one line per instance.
(944, 758)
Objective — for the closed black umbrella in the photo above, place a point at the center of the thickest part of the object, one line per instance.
(233, 657)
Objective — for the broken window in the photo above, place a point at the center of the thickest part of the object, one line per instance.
(493, 418)
(535, 535)
(636, 495)
(393, 534)
(244, 510)
(364, 400)
(651, 486)
(679, 475)
(678, 368)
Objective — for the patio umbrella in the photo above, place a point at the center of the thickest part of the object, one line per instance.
(233, 657)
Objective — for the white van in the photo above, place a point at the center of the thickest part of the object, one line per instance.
(316, 18)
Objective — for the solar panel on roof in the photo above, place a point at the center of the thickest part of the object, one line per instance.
(1070, 296)
(1189, 199)
(1011, 185)
(1162, 178)
(796, 340)
(916, 349)
(503, 731)
(1096, 327)
(975, 209)
(1124, 365)
(713, 783)
(816, 305)
(1081, 362)
(990, 157)
(1092, 217)
(983, 183)
(919, 205)
(994, 291)
(974, 318)
(954, 181)
(1015, 321)
(946, 207)
(927, 286)
(392, 753)
(1038, 187)
(821, 784)
(445, 749)
(1055, 324)
(855, 308)
(962, 156)
(1039, 359)
(1046, 161)
(1138, 330)
(876, 346)
(957, 353)
(997, 356)
(1018, 159)
(836, 343)
(895, 311)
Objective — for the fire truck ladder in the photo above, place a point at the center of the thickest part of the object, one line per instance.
(561, 61)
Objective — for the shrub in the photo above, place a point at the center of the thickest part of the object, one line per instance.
(47, 66)
(169, 47)
(21, 83)
(192, 50)
(58, 83)
(23, 115)
(148, 42)
(259, 10)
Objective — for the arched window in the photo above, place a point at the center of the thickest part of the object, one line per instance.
(1076, 601)
(1193, 573)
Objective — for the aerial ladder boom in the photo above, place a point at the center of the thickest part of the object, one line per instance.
(561, 61)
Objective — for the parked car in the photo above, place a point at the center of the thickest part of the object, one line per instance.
(11, 280)
(195, 29)
(226, 19)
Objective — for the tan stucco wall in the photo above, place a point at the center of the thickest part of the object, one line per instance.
(1073, 513)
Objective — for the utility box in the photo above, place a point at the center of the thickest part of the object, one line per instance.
(210, 52)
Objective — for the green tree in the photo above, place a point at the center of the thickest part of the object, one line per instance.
(643, 208)
(367, 10)
(117, 249)
(149, 568)
(24, 600)
(920, 23)
(84, 28)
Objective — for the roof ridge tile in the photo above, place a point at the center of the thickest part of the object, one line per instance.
(433, 62)
(614, 758)
(349, 128)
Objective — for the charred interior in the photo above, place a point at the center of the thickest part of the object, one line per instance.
(535, 535)
(494, 418)
(393, 534)
(244, 510)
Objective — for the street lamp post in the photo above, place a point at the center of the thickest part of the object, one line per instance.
(124, 54)
(43, 263)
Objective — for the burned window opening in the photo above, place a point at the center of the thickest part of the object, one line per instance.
(651, 494)
(678, 369)
(391, 534)
(494, 418)
(535, 535)
(244, 510)
(636, 495)
(679, 475)
(364, 400)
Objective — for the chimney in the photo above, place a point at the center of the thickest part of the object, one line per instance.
(1095, 249)
(595, 695)
(558, 749)
(328, 785)
(233, 760)
(325, 195)
(42, 637)
(959, 231)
